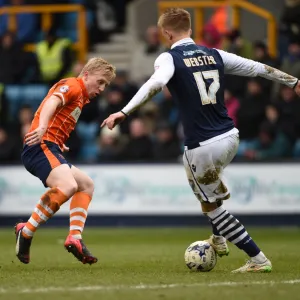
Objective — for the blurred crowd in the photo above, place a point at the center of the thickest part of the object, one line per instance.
(267, 114)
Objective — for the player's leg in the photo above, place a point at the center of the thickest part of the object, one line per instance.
(195, 170)
(231, 229)
(45, 162)
(62, 187)
(224, 222)
(78, 214)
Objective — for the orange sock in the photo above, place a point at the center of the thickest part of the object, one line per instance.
(78, 213)
(48, 205)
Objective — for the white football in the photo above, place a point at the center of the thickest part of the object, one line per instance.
(200, 256)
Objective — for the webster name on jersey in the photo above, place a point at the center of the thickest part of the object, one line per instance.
(199, 61)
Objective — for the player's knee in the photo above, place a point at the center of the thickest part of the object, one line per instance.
(73, 187)
(208, 207)
(88, 186)
(69, 188)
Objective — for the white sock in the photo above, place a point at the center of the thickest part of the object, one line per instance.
(259, 258)
(77, 236)
(216, 212)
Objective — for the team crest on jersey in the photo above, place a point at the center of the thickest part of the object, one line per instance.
(64, 88)
(76, 113)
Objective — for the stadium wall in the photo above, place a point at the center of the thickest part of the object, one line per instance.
(159, 195)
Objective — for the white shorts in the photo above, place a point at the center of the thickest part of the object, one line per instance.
(204, 166)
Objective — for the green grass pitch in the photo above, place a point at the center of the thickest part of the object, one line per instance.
(146, 264)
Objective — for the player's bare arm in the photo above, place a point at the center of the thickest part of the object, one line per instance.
(164, 70)
(48, 110)
(237, 65)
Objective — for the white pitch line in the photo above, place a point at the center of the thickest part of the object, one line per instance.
(140, 287)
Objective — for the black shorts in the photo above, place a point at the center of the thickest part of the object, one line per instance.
(41, 159)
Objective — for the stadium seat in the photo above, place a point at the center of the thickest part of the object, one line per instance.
(18, 95)
(87, 132)
(68, 27)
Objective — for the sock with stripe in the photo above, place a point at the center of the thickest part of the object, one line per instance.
(217, 236)
(78, 213)
(231, 229)
(48, 205)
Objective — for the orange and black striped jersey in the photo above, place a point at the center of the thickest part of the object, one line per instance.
(74, 96)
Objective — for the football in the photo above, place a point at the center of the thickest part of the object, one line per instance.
(200, 256)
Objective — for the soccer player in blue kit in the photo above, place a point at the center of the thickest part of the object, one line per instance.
(194, 76)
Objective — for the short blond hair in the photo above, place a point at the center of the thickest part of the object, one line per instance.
(99, 64)
(176, 19)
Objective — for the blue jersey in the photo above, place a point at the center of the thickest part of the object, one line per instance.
(198, 88)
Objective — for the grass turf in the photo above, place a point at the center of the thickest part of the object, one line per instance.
(145, 264)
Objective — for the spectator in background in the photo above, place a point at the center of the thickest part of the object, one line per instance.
(119, 7)
(261, 55)
(211, 37)
(26, 23)
(25, 118)
(12, 60)
(166, 146)
(236, 84)
(289, 106)
(55, 57)
(140, 146)
(21, 126)
(272, 142)
(252, 110)
(290, 63)
(113, 101)
(8, 147)
(167, 110)
(232, 104)
(290, 19)
(234, 42)
(111, 144)
(149, 113)
(143, 57)
(127, 87)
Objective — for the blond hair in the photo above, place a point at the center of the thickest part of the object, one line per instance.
(99, 64)
(176, 19)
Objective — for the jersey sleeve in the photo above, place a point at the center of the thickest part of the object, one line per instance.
(163, 71)
(163, 68)
(67, 91)
(237, 65)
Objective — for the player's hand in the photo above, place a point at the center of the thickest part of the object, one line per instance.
(113, 120)
(65, 148)
(297, 88)
(35, 137)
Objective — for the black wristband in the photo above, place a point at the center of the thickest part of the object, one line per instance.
(124, 113)
(295, 84)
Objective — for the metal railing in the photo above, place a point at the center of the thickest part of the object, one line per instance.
(236, 6)
(46, 12)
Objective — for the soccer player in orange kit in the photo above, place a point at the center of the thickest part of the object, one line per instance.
(42, 156)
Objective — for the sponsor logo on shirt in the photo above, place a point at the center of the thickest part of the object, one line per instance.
(64, 88)
(76, 113)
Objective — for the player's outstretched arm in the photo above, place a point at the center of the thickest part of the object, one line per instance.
(164, 70)
(35, 136)
(237, 65)
(297, 88)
